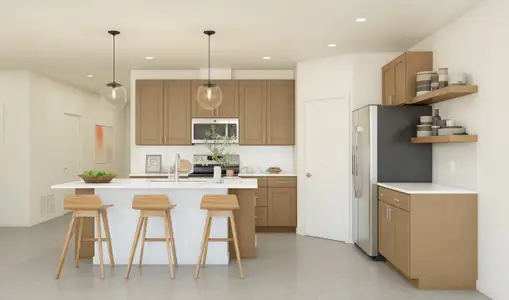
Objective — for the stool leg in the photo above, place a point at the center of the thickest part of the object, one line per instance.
(167, 239)
(108, 236)
(100, 241)
(135, 243)
(78, 246)
(68, 237)
(143, 237)
(204, 240)
(236, 244)
(172, 236)
(204, 258)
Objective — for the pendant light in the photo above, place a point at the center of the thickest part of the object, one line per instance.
(209, 94)
(114, 92)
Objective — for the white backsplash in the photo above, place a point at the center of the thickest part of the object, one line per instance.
(255, 158)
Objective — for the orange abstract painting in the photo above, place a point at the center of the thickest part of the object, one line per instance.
(104, 144)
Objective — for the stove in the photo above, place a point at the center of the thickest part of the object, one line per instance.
(203, 165)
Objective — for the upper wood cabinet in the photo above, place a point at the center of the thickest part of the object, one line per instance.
(163, 112)
(229, 107)
(177, 109)
(281, 112)
(399, 76)
(253, 112)
(149, 112)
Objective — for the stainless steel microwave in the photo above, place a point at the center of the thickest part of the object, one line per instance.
(224, 127)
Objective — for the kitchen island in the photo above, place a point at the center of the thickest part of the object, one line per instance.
(188, 219)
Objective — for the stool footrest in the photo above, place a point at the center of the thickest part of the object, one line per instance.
(156, 239)
(220, 239)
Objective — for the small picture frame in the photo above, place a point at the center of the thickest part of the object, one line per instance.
(153, 163)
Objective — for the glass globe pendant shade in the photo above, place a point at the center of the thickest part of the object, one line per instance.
(209, 96)
(115, 94)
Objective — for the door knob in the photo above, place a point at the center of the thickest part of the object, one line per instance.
(308, 175)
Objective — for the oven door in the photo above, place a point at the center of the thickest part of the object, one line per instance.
(224, 127)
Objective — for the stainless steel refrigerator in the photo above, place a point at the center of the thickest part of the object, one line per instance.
(382, 152)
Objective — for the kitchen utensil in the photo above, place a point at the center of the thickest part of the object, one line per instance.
(97, 179)
(423, 133)
(434, 130)
(426, 119)
(451, 130)
(443, 77)
(458, 78)
(436, 117)
(274, 170)
(450, 123)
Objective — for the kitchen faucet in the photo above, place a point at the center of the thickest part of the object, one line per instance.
(176, 167)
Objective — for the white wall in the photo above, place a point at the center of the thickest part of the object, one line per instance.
(356, 77)
(14, 166)
(49, 102)
(256, 157)
(477, 44)
(30, 153)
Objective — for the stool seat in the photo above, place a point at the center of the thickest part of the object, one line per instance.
(218, 206)
(219, 202)
(152, 202)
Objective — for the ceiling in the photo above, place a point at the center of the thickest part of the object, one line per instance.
(67, 39)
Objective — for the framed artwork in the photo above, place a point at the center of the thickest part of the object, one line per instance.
(154, 163)
(104, 144)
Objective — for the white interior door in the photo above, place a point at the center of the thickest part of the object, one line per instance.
(71, 148)
(327, 167)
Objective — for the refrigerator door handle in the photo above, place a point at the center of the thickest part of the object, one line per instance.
(357, 133)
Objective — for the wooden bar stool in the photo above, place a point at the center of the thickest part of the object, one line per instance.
(153, 206)
(87, 206)
(218, 206)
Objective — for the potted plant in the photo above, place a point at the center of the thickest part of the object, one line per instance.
(219, 146)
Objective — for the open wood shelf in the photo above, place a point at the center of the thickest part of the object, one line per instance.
(445, 139)
(444, 94)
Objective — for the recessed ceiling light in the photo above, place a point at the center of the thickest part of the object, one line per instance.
(149, 57)
(90, 75)
(266, 57)
(331, 45)
(361, 20)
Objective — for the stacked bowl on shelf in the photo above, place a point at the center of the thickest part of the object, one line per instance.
(424, 128)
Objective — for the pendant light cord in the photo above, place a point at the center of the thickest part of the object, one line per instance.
(114, 58)
(209, 60)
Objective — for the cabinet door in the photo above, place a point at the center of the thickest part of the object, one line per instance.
(253, 112)
(261, 216)
(401, 221)
(229, 107)
(281, 112)
(399, 81)
(149, 112)
(177, 110)
(282, 207)
(261, 197)
(387, 84)
(385, 232)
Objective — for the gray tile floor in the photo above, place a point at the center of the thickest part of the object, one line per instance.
(288, 267)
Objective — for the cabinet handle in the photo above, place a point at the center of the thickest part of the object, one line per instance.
(161, 139)
(281, 182)
(390, 99)
(395, 199)
(165, 139)
(381, 195)
(390, 213)
(256, 197)
(387, 212)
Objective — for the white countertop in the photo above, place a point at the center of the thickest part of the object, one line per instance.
(266, 174)
(240, 175)
(424, 188)
(191, 183)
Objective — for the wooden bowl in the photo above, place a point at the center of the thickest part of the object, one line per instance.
(97, 179)
(274, 170)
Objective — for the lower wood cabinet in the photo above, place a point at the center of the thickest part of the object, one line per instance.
(282, 207)
(430, 238)
(276, 204)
